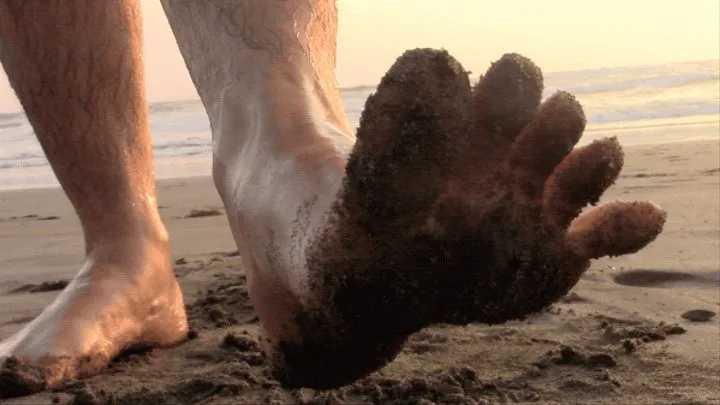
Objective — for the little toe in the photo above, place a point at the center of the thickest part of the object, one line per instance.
(507, 97)
(615, 229)
(581, 179)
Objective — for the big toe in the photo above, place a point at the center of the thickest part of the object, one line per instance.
(412, 131)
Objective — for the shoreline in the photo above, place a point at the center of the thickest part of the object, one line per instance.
(206, 160)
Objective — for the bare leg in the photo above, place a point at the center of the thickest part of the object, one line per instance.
(452, 206)
(265, 73)
(77, 69)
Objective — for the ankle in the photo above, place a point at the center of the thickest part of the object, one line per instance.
(313, 86)
(133, 224)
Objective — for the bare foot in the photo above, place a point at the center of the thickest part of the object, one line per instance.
(458, 205)
(124, 296)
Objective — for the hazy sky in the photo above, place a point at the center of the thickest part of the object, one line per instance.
(559, 35)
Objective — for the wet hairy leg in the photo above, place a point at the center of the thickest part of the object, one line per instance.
(76, 67)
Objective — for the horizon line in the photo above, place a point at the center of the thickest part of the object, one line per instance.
(360, 87)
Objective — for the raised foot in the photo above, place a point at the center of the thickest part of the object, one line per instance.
(459, 205)
(122, 298)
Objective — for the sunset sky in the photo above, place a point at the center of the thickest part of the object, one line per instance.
(559, 35)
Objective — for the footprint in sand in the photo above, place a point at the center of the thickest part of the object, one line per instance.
(207, 212)
(45, 286)
(648, 175)
(698, 315)
(665, 278)
(30, 216)
(18, 321)
(661, 278)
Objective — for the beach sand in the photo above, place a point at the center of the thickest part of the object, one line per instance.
(618, 337)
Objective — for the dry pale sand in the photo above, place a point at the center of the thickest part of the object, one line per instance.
(619, 337)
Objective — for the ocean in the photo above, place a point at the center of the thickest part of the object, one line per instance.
(640, 105)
